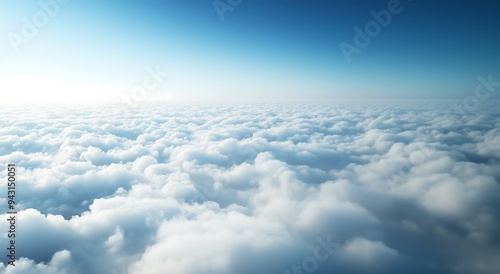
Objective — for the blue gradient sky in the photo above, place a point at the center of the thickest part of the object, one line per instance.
(265, 49)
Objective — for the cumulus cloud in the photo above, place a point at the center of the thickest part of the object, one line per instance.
(254, 189)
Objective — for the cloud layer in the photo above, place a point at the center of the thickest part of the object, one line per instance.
(258, 188)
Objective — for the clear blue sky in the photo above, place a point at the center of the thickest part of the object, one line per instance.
(268, 49)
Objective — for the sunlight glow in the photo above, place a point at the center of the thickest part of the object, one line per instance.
(28, 89)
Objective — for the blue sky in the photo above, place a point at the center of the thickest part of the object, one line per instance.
(265, 49)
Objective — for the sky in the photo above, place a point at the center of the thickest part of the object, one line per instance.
(94, 50)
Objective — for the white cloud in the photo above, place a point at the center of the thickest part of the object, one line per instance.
(250, 188)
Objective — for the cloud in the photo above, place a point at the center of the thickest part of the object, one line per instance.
(251, 188)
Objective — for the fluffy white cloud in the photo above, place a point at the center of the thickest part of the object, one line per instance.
(251, 188)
